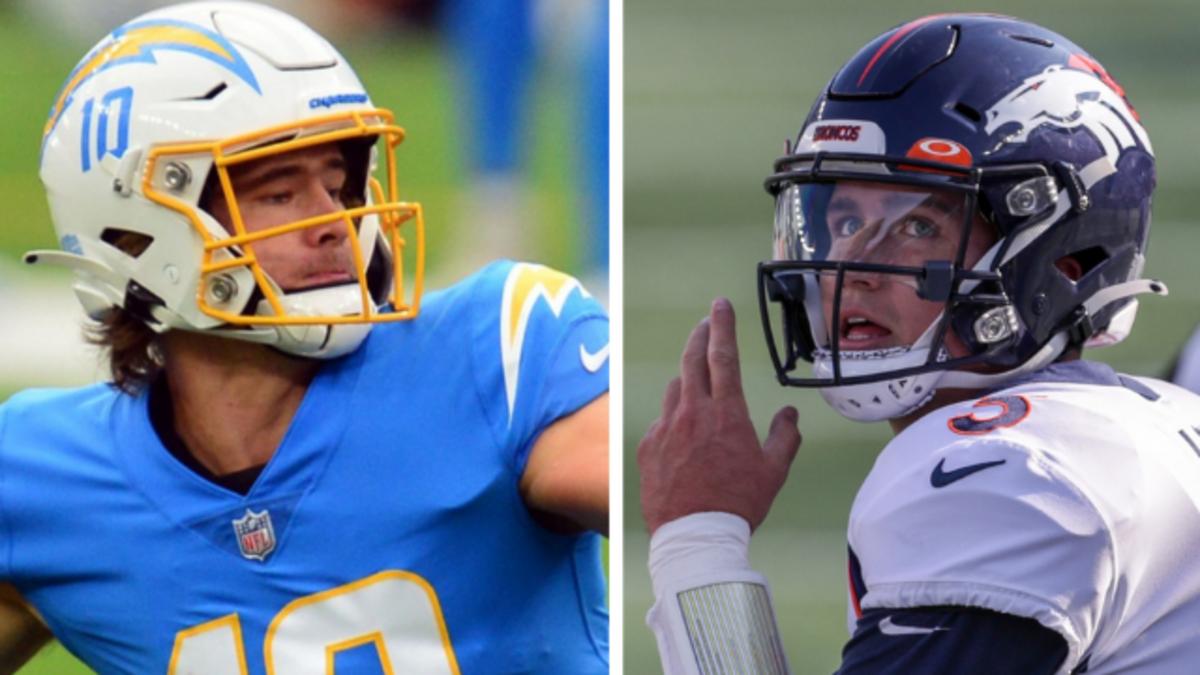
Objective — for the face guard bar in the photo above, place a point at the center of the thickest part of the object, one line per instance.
(785, 282)
(973, 302)
(236, 251)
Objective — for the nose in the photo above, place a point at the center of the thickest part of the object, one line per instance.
(863, 247)
(856, 281)
(331, 233)
(861, 280)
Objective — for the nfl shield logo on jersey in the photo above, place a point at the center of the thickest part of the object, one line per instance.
(255, 534)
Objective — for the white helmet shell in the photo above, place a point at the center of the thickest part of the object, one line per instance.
(177, 94)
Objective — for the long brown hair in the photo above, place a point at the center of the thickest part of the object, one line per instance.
(133, 350)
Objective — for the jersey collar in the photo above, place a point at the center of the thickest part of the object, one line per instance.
(1081, 372)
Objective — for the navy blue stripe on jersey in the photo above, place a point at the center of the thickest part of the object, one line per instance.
(950, 640)
(858, 587)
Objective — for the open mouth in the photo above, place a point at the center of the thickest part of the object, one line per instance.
(859, 331)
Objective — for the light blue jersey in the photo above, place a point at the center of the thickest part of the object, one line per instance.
(386, 535)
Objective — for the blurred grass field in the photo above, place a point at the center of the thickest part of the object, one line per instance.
(711, 90)
(408, 73)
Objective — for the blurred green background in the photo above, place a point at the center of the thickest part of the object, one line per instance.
(712, 88)
(406, 70)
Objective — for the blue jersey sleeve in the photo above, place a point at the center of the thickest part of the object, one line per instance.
(541, 354)
(5, 531)
(937, 640)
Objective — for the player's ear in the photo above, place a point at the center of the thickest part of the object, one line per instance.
(1070, 267)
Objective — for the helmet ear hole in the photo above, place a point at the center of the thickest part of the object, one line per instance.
(1077, 265)
(1070, 267)
(132, 244)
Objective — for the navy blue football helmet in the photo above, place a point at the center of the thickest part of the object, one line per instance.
(985, 166)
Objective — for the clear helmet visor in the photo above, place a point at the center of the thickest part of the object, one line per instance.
(869, 222)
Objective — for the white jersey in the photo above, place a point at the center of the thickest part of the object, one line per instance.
(1075, 503)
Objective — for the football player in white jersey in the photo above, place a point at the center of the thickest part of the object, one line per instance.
(964, 210)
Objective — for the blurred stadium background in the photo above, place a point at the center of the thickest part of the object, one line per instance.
(711, 90)
(402, 56)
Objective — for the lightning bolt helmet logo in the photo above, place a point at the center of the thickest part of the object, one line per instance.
(137, 43)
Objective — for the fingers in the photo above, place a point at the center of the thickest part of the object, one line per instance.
(644, 449)
(671, 398)
(723, 363)
(693, 365)
(783, 439)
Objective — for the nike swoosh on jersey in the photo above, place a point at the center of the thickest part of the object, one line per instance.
(887, 627)
(593, 362)
(940, 478)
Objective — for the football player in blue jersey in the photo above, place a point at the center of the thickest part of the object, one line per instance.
(301, 464)
(965, 208)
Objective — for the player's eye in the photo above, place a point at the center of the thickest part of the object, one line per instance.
(278, 197)
(846, 225)
(335, 187)
(918, 228)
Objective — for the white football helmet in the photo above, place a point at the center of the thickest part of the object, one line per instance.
(170, 102)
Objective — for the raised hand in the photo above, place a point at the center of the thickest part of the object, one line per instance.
(702, 453)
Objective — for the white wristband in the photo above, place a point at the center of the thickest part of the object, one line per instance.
(712, 613)
(701, 546)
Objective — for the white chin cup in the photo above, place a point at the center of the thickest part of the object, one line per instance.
(883, 400)
(320, 341)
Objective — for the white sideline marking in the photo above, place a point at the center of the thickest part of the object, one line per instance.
(41, 339)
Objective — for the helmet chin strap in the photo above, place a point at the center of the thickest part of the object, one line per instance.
(891, 400)
(1057, 344)
(319, 341)
(961, 379)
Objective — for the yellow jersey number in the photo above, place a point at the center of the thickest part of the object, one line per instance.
(397, 612)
